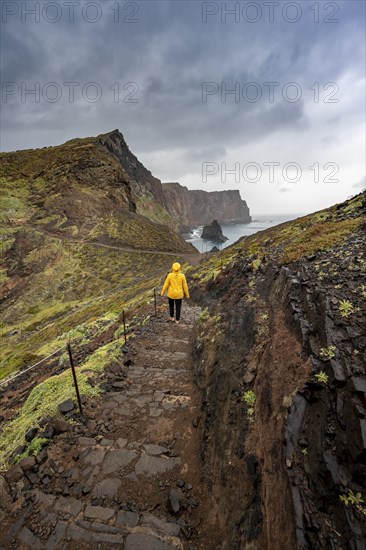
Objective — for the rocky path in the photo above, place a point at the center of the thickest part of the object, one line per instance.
(127, 475)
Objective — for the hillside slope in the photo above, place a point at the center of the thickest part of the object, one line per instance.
(280, 360)
(59, 206)
(81, 188)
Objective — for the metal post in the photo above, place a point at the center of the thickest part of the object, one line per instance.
(124, 326)
(75, 379)
(155, 301)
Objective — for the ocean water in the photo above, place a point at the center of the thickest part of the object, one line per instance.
(234, 231)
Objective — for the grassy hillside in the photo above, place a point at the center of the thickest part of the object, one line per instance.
(55, 200)
(291, 241)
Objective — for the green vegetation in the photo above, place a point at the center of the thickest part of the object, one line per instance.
(155, 212)
(80, 293)
(290, 242)
(44, 399)
(327, 353)
(346, 308)
(250, 398)
(35, 446)
(322, 377)
(317, 237)
(256, 264)
(204, 315)
(354, 500)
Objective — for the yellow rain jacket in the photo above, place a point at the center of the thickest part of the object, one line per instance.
(176, 284)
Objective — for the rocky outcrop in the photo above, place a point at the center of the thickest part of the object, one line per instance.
(213, 233)
(197, 207)
(141, 180)
(281, 365)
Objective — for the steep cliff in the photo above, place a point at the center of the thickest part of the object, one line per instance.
(142, 181)
(280, 360)
(197, 207)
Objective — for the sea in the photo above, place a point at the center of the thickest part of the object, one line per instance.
(234, 231)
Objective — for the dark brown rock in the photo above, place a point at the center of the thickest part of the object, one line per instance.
(31, 434)
(14, 474)
(174, 500)
(137, 541)
(213, 233)
(27, 463)
(66, 407)
(59, 425)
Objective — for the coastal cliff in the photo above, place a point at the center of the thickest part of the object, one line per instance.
(198, 207)
(280, 360)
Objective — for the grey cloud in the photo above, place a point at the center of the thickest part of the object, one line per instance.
(360, 184)
(169, 54)
(217, 153)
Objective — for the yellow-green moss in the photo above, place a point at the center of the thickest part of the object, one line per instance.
(44, 399)
(317, 237)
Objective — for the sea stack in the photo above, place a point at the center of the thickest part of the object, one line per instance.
(213, 233)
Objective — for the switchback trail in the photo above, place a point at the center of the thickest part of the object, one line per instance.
(127, 474)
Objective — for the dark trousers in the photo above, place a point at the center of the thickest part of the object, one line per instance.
(178, 306)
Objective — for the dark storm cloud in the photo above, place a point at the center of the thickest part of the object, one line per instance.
(167, 56)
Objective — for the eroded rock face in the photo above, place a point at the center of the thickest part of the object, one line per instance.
(278, 472)
(213, 233)
(141, 179)
(197, 207)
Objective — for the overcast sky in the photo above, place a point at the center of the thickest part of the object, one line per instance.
(290, 136)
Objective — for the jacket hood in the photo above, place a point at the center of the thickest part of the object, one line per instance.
(176, 266)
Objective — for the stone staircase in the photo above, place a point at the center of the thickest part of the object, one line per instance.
(127, 474)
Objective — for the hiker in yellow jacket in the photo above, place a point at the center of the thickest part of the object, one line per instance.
(177, 288)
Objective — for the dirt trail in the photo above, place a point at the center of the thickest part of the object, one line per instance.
(127, 475)
(194, 257)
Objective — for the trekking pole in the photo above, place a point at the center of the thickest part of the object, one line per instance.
(155, 301)
(124, 326)
(75, 379)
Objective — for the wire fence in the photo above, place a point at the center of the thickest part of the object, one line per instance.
(69, 351)
(9, 380)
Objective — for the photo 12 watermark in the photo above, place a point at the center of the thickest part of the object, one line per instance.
(269, 172)
(270, 12)
(70, 11)
(70, 92)
(253, 92)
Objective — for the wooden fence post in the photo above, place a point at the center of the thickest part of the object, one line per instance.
(75, 379)
(124, 326)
